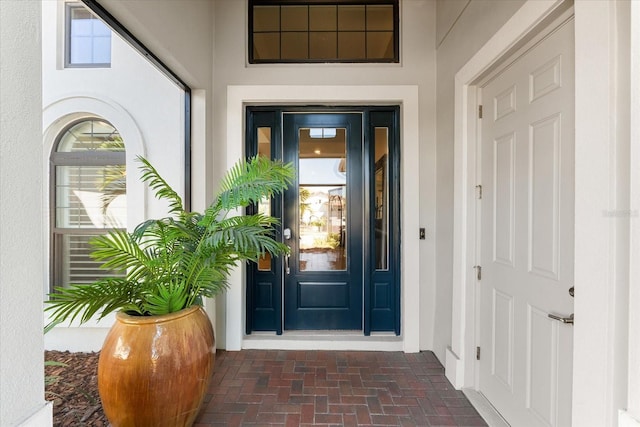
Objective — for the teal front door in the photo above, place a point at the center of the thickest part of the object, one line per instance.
(340, 219)
(322, 221)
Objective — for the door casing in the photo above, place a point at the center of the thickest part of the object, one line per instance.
(375, 283)
(417, 323)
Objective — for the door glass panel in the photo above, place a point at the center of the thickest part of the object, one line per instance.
(322, 191)
(264, 206)
(381, 186)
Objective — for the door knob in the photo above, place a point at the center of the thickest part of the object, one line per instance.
(571, 290)
(286, 233)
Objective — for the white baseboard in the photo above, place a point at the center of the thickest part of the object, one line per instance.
(42, 418)
(627, 420)
(485, 408)
(454, 369)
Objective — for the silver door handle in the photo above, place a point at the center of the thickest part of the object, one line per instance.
(567, 320)
(287, 270)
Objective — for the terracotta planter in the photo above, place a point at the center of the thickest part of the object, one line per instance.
(154, 370)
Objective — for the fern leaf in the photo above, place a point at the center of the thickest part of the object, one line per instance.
(162, 189)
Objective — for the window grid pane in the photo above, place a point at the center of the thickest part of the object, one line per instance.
(88, 38)
(282, 32)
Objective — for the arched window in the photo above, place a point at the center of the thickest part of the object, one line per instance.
(88, 197)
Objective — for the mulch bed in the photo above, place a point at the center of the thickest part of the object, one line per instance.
(74, 393)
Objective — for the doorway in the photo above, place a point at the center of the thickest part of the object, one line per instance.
(526, 239)
(340, 219)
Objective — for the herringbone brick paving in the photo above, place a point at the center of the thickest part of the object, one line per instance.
(333, 388)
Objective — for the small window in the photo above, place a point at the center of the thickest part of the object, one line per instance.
(88, 39)
(293, 31)
(88, 198)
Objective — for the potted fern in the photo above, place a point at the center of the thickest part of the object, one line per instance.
(156, 361)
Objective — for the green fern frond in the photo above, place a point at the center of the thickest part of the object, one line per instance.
(120, 251)
(249, 181)
(86, 300)
(166, 298)
(163, 190)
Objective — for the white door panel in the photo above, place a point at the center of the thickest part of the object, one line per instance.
(527, 150)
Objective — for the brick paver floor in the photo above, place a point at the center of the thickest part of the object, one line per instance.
(332, 388)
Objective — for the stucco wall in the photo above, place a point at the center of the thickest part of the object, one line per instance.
(141, 103)
(417, 67)
(21, 241)
(464, 27)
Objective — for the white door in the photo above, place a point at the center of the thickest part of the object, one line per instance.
(527, 221)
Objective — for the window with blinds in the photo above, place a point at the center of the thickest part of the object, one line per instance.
(88, 198)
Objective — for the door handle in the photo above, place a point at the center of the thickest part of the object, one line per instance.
(567, 320)
(287, 270)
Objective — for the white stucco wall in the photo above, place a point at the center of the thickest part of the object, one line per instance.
(21, 241)
(139, 101)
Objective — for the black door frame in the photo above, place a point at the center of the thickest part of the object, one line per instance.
(381, 288)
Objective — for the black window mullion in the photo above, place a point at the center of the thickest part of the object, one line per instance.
(308, 33)
(337, 35)
(366, 32)
(280, 31)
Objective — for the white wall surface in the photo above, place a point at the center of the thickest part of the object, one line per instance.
(464, 35)
(139, 101)
(21, 239)
(417, 68)
(179, 32)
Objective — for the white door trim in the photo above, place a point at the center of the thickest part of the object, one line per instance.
(599, 310)
(407, 97)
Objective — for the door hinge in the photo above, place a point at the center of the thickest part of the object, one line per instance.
(477, 353)
(479, 191)
(478, 271)
(479, 111)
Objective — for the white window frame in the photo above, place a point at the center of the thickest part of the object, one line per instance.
(72, 159)
(68, 40)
